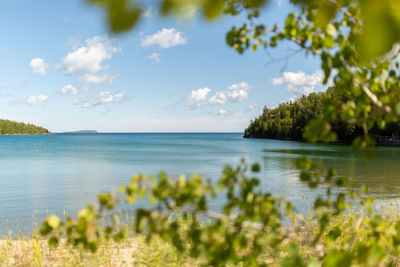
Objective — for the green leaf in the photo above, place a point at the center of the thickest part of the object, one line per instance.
(53, 221)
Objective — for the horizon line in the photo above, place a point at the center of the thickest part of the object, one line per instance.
(138, 132)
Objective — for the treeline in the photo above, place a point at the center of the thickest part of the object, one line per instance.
(12, 127)
(289, 120)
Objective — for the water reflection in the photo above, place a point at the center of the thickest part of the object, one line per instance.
(381, 174)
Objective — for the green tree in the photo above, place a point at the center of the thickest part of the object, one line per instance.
(11, 127)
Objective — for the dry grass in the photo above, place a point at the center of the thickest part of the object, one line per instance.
(36, 252)
(134, 252)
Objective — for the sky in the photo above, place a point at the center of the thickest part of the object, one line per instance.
(62, 69)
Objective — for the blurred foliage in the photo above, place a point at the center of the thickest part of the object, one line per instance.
(125, 14)
(253, 227)
(378, 20)
(12, 127)
(122, 14)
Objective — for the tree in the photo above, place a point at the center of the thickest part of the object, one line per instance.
(11, 127)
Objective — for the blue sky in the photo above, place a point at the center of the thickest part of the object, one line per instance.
(62, 69)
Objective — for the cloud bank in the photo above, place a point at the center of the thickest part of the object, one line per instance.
(300, 83)
(237, 92)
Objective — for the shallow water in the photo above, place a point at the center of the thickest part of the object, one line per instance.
(63, 172)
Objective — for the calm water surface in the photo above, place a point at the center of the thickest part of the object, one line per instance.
(63, 172)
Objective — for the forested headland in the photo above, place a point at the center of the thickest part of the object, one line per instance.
(289, 120)
(8, 127)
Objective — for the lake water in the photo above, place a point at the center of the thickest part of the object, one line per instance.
(63, 172)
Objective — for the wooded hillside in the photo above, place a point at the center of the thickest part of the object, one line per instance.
(12, 127)
(289, 120)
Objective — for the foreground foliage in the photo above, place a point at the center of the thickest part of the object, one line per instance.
(254, 228)
(136, 251)
(12, 127)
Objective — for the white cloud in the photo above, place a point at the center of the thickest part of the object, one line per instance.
(74, 41)
(38, 65)
(87, 105)
(108, 97)
(36, 99)
(235, 93)
(89, 58)
(222, 112)
(238, 92)
(299, 82)
(165, 38)
(90, 78)
(251, 108)
(198, 97)
(69, 89)
(99, 79)
(105, 97)
(154, 56)
(218, 98)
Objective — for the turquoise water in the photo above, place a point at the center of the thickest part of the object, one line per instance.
(63, 172)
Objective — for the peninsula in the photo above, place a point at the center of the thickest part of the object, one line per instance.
(8, 127)
(288, 121)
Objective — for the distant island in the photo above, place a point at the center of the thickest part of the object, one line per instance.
(81, 131)
(8, 127)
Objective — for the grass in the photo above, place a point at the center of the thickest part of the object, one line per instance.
(36, 252)
(33, 250)
(133, 252)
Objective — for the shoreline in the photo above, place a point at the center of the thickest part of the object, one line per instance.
(338, 143)
(299, 141)
(27, 134)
